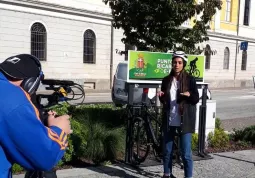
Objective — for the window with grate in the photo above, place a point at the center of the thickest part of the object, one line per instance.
(244, 60)
(228, 11)
(207, 56)
(89, 55)
(39, 41)
(246, 12)
(226, 58)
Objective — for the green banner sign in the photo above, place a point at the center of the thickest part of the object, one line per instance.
(151, 67)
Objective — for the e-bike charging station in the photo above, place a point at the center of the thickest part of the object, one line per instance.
(202, 125)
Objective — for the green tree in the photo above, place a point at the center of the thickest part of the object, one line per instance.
(155, 25)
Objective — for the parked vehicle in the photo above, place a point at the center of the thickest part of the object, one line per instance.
(120, 88)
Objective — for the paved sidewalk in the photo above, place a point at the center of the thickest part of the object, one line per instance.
(240, 164)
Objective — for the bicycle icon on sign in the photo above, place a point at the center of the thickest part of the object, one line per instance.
(192, 68)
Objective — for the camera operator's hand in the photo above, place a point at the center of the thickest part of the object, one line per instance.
(51, 114)
(62, 122)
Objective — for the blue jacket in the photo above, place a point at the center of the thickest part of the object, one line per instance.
(23, 138)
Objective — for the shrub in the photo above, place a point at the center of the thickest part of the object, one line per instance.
(194, 143)
(218, 139)
(98, 132)
(77, 140)
(103, 144)
(218, 124)
(17, 168)
(246, 135)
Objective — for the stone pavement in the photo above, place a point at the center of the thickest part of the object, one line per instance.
(237, 123)
(240, 164)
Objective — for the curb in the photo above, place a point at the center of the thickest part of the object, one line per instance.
(97, 91)
(110, 170)
(96, 94)
(232, 89)
(90, 93)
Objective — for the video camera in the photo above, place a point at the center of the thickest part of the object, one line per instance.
(63, 91)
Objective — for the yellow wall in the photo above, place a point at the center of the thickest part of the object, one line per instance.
(232, 25)
(224, 25)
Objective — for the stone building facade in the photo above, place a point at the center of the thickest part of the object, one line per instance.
(75, 40)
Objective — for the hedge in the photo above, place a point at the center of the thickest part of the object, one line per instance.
(99, 135)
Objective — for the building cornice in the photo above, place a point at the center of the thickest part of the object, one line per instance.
(230, 37)
(97, 15)
(58, 8)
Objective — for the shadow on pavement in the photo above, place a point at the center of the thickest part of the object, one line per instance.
(119, 169)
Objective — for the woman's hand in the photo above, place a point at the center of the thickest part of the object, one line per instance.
(185, 94)
(160, 93)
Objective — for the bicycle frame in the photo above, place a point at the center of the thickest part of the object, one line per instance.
(147, 117)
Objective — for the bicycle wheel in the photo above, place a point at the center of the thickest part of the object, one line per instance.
(196, 73)
(140, 141)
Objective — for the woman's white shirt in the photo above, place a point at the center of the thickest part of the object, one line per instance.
(174, 117)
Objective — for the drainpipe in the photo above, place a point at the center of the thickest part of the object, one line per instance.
(237, 33)
(111, 56)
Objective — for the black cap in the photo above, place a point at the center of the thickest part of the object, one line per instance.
(21, 66)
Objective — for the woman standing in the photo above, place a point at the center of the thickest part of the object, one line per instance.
(179, 96)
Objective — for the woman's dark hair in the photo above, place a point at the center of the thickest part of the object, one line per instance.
(182, 78)
(183, 83)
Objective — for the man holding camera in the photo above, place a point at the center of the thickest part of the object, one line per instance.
(23, 137)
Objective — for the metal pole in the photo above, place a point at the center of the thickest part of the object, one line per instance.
(111, 57)
(157, 100)
(204, 98)
(202, 124)
(237, 34)
(157, 109)
(129, 131)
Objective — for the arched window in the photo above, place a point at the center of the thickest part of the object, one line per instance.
(89, 53)
(207, 56)
(226, 58)
(39, 41)
(244, 60)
